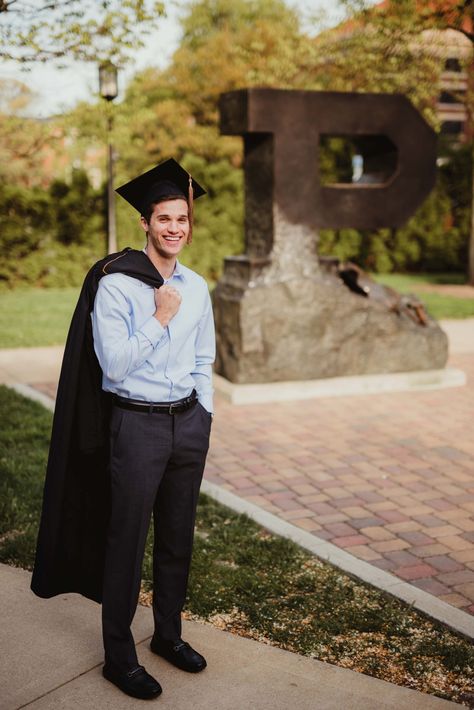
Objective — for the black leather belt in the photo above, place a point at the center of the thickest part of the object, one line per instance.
(137, 405)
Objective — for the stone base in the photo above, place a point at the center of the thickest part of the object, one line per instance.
(338, 386)
(309, 328)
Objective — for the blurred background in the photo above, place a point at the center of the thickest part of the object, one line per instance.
(173, 60)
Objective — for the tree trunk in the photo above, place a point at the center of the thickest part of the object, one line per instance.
(471, 236)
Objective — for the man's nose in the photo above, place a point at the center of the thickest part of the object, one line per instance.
(173, 226)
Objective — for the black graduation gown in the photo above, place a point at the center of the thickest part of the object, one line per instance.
(76, 499)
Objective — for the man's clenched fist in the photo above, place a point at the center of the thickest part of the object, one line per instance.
(167, 301)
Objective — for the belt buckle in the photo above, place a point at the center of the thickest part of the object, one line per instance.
(170, 409)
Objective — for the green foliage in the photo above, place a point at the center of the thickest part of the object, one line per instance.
(379, 50)
(416, 33)
(79, 211)
(457, 173)
(54, 265)
(228, 44)
(426, 243)
(24, 221)
(429, 241)
(22, 139)
(208, 18)
(434, 239)
(111, 30)
(50, 238)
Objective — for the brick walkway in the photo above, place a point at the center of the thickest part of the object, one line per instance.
(389, 478)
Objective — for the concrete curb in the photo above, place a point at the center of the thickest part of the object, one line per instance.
(35, 395)
(421, 380)
(435, 608)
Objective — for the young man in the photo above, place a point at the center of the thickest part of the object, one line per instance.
(131, 433)
(155, 347)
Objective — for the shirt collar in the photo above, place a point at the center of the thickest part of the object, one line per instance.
(178, 269)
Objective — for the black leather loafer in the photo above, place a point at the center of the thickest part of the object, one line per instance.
(180, 654)
(137, 682)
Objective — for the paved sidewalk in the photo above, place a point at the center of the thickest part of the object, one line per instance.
(52, 658)
(454, 290)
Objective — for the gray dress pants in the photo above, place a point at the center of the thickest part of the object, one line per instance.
(157, 463)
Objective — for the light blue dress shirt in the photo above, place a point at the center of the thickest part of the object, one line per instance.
(142, 360)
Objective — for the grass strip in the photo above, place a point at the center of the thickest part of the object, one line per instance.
(438, 305)
(401, 281)
(35, 316)
(41, 316)
(251, 582)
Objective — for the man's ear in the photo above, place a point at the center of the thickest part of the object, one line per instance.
(143, 224)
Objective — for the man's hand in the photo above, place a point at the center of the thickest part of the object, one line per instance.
(167, 301)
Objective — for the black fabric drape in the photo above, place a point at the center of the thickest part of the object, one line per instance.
(76, 505)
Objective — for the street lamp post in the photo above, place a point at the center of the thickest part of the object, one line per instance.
(108, 90)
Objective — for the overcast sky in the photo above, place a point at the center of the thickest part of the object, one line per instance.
(59, 89)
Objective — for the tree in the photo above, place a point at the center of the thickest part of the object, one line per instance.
(87, 30)
(78, 210)
(226, 44)
(422, 26)
(375, 52)
(230, 44)
(459, 15)
(23, 140)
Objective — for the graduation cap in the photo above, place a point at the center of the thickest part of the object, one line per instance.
(167, 179)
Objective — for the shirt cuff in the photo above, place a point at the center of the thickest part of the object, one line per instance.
(152, 330)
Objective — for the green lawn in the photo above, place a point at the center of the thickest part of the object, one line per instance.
(251, 582)
(35, 316)
(438, 305)
(404, 281)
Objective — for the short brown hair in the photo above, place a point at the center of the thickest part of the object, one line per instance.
(148, 211)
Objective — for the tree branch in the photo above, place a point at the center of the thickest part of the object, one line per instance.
(4, 5)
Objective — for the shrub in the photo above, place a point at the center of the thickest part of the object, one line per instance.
(435, 239)
(50, 237)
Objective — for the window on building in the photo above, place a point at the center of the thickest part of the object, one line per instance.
(448, 97)
(452, 64)
(452, 128)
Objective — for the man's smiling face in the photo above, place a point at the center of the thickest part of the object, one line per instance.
(168, 227)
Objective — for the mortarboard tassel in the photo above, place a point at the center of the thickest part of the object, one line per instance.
(190, 209)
